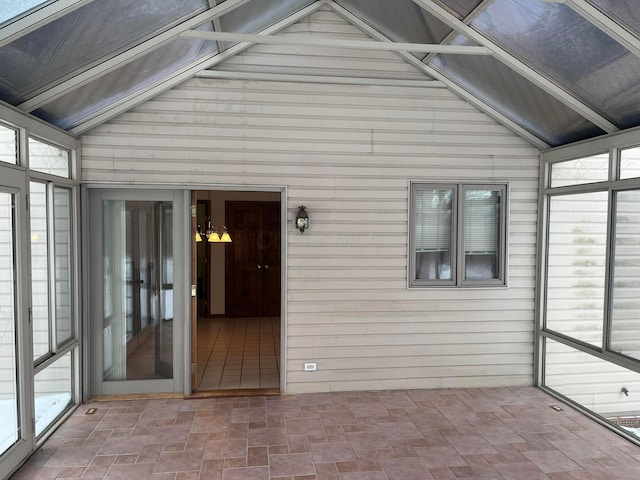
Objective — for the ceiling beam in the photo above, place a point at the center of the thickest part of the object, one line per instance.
(187, 72)
(35, 19)
(127, 56)
(605, 23)
(432, 72)
(482, 6)
(339, 43)
(522, 68)
(217, 27)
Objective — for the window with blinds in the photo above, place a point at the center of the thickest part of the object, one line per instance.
(457, 234)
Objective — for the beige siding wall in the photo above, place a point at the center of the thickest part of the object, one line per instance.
(347, 153)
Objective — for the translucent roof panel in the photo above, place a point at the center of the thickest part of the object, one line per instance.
(10, 9)
(401, 20)
(73, 108)
(81, 38)
(514, 96)
(460, 8)
(259, 14)
(562, 44)
(626, 12)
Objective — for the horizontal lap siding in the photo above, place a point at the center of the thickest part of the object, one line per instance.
(347, 153)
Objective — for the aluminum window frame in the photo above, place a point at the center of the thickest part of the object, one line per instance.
(458, 261)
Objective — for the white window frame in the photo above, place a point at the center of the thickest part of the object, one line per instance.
(457, 234)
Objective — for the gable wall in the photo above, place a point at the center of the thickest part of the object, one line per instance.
(347, 153)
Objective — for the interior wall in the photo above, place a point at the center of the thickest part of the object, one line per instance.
(347, 152)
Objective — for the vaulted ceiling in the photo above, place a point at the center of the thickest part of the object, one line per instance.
(554, 71)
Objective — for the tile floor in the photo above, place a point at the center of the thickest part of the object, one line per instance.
(494, 433)
(238, 353)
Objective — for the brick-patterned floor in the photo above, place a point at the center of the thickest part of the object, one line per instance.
(494, 433)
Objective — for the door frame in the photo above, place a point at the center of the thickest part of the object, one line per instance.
(94, 384)
(191, 327)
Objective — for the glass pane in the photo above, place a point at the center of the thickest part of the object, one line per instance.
(49, 159)
(433, 236)
(53, 391)
(625, 310)
(9, 402)
(8, 145)
(626, 12)
(138, 301)
(579, 171)
(255, 16)
(630, 163)
(594, 383)
(515, 97)
(556, 40)
(10, 9)
(576, 265)
(82, 38)
(401, 20)
(39, 268)
(73, 108)
(63, 244)
(460, 8)
(482, 232)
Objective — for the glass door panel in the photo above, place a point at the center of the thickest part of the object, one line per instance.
(137, 324)
(10, 427)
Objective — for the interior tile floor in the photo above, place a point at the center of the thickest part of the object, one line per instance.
(238, 353)
(493, 433)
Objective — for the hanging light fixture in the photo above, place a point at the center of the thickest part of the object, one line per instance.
(212, 235)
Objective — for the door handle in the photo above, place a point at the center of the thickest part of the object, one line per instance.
(267, 267)
(259, 267)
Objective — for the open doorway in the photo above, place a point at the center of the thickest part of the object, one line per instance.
(237, 303)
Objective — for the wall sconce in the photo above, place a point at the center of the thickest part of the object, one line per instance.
(302, 219)
(212, 235)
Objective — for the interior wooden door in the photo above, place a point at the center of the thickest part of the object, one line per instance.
(271, 259)
(252, 271)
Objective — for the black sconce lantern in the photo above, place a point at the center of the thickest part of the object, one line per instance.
(302, 219)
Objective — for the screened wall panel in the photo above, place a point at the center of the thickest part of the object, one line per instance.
(80, 38)
(8, 145)
(576, 259)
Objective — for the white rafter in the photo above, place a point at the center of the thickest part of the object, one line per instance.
(432, 72)
(38, 18)
(217, 27)
(609, 26)
(125, 57)
(523, 69)
(339, 43)
(187, 72)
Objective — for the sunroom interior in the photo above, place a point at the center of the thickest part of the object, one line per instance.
(562, 77)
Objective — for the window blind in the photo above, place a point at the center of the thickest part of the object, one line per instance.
(481, 221)
(433, 219)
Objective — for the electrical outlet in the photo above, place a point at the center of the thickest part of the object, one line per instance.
(310, 367)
